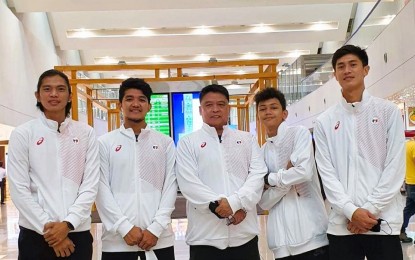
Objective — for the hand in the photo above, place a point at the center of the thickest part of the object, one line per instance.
(64, 248)
(134, 236)
(55, 232)
(355, 229)
(239, 216)
(224, 209)
(289, 165)
(149, 240)
(362, 219)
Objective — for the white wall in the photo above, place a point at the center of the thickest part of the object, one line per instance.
(384, 79)
(26, 50)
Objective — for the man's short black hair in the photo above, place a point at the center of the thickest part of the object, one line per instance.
(350, 49)
(269, 93)
(52, 73)
(214, 88)
(135, 83)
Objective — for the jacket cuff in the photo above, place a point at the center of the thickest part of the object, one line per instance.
(156, 229)
(234, 203)
(349, 209)
(272, 179)
(124, 228)
(74, 220)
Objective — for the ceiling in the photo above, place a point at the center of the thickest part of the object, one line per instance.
(148, 32)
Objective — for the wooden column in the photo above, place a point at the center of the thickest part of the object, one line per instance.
(74, 96)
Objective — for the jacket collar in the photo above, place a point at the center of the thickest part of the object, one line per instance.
(211, 131)
(128, 132)
(356, 106)
(53, 125)
(282, 130)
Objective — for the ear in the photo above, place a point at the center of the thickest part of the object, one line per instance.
(334, 74)
(284, 114)
(37, 96)
(70, 98)
(149, 107)
(200, 110)
(119, 105)
(366, 70)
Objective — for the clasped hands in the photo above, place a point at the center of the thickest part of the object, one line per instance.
(56, 235)
(362, 221)
(141, 238)
(224, 210)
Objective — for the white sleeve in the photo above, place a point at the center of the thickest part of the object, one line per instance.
(110, 213)
(250, 193)
(192, 188)
(80, 211)
(272, 196)
(302, 159)
(394, 172)
(162, 219)
(335, 193)
(19, 181)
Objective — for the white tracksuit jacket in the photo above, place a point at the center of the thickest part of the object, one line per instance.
(208, 170)
(137, 187)
(361, 159)
(53, 175)
(297, 221)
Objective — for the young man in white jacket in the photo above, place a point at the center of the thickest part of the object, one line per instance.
(220, 172)
(361, 158)
(297, 222)
(138, 186)
(53, 169)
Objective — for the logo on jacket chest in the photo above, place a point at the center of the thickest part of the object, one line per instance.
(118, 148)
(40, 141)
(75, 140)
(202, 145)
(337, 125)
(375, 120)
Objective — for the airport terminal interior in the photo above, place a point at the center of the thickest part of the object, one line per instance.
(179, 47)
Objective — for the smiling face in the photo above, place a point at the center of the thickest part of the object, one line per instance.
(53, 95)
(350, 73)
(214, 109)
(135, 105)
(271, 114)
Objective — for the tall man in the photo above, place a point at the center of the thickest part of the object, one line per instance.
(361, 158)
(138, 186)
(220, 172)
(54, 172)
(297, 221)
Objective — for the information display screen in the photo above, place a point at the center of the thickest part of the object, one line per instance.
(159, 116)
(185, 112)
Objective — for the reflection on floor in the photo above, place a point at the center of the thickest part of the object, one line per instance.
(9, 230)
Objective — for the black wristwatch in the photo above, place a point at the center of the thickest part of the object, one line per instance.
(69, 224)
(266, 180)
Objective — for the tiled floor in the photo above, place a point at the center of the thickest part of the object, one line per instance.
(9, 231)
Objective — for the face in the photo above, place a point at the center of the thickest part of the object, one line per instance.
(350, 72)
(271, 114)
(214, 109)
(54, 95)
(135, 105)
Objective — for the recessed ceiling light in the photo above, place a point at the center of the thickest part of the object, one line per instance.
(202, 57)
(155, 59)
(144, 32)
(249, 56)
